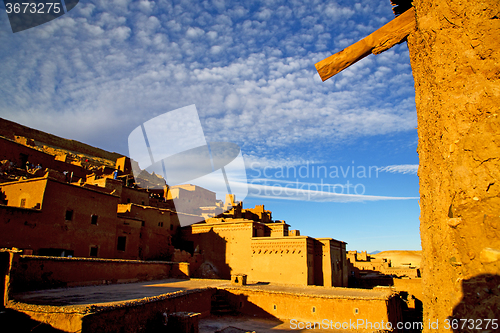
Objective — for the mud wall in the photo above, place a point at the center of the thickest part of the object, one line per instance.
(326, 311)
(455, 56)
(35, 272)
(147, 315)
(144, 315)
(411, 286)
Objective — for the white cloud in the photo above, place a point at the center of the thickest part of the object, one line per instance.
(258, 162)
(264, 14)
(194, 32)
(314, 192)
(403, 168)
(120, 33)
(254, 82)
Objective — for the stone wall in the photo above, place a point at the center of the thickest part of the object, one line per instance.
(35, 272)
(455, 55)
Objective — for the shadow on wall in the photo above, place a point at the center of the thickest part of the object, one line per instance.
(213, 248)
(18, 322)
(3, 198)
(368, 279)
(480, 302)
(240, 304)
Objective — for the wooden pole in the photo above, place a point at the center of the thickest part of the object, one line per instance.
(377, 42)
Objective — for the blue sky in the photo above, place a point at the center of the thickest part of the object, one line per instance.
(106, 67)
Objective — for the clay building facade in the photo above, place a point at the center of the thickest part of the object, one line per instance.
(46, 216)
(265, 252)
(126, 194)
(157, 227)
(103, 215)
(196, 200)
(64, 219)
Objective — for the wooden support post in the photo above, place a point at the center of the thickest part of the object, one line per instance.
(377, 42)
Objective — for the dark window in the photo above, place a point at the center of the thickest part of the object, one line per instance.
(128, 200)
(93, 219)
(69, 215)
(143, 223)
(171, 227)
(122, 240)
(160, 224)
(93, 251)
(23, 202)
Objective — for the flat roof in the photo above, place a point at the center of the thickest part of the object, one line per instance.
(105, 295)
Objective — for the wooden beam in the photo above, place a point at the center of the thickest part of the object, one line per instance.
(377, 42)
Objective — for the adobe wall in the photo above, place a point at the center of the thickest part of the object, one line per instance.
(262, 215)
(316, 308)
(188, 198)
(400, 271)
(32, 191)
(224, 245)
(131, 230)
(35, 272)
(331, 263)
(230, 248)
(79, 234)
(13, 151)
(63, 318)
(281, 260)
(158, 226)
(131, 195)
(277, 229)
(412, 286)
(455, 53)
(145, 315)
(49, 228)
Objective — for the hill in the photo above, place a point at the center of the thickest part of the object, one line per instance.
(50, 143)
(399, 257)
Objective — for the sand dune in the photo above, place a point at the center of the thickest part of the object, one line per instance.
(401, 257)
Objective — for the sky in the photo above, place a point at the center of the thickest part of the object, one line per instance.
(333, 159)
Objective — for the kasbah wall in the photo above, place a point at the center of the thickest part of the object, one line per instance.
(455, 57)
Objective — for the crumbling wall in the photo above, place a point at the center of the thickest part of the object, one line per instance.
(455, 56)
